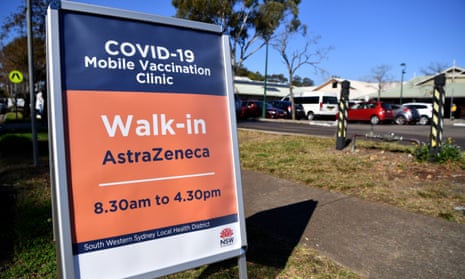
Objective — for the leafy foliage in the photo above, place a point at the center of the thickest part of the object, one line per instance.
(245, 21)
(13, 56)
(422, 153)
(13, 41)
(449, 152)
(16, 22)
(297, 80)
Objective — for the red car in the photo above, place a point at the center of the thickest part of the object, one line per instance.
(272, 112)
(374, 112)
(249, 108)
(253, 109)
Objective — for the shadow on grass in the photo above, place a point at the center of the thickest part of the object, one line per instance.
(272, 236)
(20, 147)
(7, 217)
(16, 156)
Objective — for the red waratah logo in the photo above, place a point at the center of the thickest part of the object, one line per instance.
(227, 238)
(226, 233)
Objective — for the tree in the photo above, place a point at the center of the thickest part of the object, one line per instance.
(13, 56)
(13, 41)
(15, 24)
(245, 21)
(277, 78)
(299, 81)
(296, 58)
(434, 68)
(307, 82)
(256, 76)
(380, 75)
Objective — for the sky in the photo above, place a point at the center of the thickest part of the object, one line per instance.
(362, 35)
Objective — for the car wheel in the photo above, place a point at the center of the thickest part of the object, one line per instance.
(374, 120)
(400, 120)
(423, 120)
(310, 115)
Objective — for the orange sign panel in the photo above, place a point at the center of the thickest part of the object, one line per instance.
(145, 161)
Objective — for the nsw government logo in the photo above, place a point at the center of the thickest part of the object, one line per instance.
(227, 237)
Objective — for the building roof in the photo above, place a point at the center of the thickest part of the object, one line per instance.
(358, 89)
(453, 74)
(419, 87)
(422, 87)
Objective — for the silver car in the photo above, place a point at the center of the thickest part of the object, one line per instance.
(405, 114)
(425, 110)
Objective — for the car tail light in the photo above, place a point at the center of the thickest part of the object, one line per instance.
(321, 105)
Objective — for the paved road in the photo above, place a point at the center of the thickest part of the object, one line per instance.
(455, 130)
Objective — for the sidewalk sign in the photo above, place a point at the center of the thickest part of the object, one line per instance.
(144, 153)
(15, 76)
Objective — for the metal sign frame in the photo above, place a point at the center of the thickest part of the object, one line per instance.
(79, 250)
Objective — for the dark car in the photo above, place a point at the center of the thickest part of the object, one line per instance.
(287, 106)
(374, 112)
(405, 114)
(254, 109)
(271, 111)
(249, 108)
(237, 105)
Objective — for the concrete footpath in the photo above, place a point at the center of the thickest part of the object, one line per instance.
(372, 239)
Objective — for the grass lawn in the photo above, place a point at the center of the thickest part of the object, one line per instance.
(385, 173)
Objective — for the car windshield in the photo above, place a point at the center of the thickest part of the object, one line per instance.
(329, 100)
(386, 106)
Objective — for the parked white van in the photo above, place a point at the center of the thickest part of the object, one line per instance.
(317, 104)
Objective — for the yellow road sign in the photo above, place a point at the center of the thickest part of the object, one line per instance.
(16, 76)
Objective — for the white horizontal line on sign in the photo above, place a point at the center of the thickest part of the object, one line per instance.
(155, 179)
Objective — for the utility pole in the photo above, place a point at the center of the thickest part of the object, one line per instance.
(451, 116)
(30, 54)
(264, 83)
(402, 82)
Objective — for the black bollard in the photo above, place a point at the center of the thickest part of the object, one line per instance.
(437, 120)
(341, 140)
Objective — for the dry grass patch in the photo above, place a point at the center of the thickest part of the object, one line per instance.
(379, 172)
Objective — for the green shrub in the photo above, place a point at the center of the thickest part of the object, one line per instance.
(422, 153)
(448, 152)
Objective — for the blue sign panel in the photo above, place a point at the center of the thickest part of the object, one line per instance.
(124, 55)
